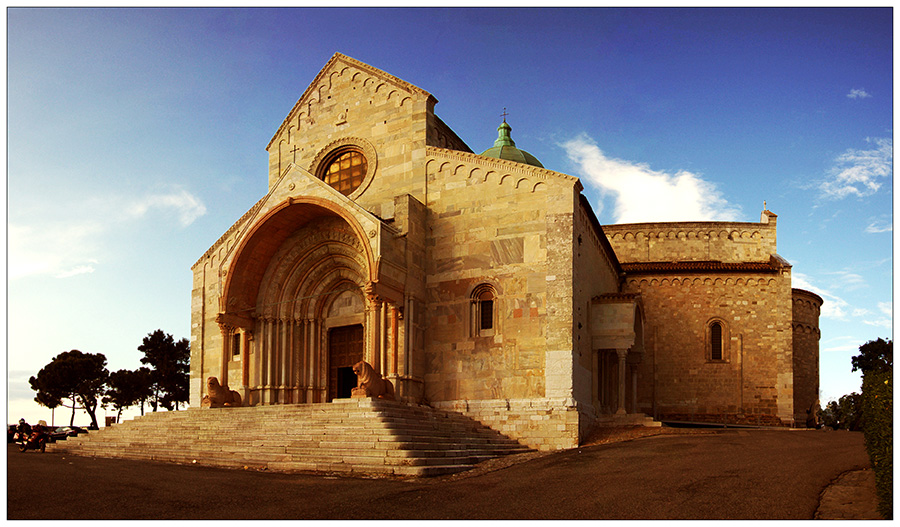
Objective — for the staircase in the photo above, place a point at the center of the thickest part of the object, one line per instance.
(351, 436)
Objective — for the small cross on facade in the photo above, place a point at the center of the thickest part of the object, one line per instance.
(294, 152)
(504, 114)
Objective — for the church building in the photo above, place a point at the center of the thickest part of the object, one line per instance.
(484, 284)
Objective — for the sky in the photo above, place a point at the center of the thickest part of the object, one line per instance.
(136, 137)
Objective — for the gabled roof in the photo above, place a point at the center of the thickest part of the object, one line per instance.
(331, 66)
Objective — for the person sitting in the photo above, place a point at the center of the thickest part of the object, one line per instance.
(23, 431)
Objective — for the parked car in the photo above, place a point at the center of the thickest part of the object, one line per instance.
(65, 432)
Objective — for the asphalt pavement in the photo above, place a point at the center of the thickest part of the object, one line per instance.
(731, 474)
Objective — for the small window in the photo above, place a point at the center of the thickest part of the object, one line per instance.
(236, 346)
(487, 313)
(715, 341)
(483, 311)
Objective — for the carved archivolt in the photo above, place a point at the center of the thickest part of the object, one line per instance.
(322, 258)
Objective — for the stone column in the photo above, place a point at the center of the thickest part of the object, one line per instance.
(595, 378)
(245, 366)
(373, 329)
(395, 322)
(621, 404)
(285, 380)
(603, 359)
(226, 353)
(633, 389)
(272, 344)
(310, 361)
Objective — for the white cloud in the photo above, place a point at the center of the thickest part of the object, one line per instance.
(880, 226)
(886, 308)
(81, 269)
(645, 195)
(72, 241)
(858, 93)
(858, 172)
(844, 343)
(881, 323)
(187, 206)
(833, 306)
(847, 281)
(54, 248)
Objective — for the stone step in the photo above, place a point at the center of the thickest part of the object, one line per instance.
(614, 420)
(356, 436)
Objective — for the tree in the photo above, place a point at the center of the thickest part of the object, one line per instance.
(73, 375)
(170, 361)
(845, 413)
(875, 355)
(126, 388)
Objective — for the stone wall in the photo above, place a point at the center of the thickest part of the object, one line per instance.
(677, 378)
(497, 223)
(732, 277)
(694, 241)
(542, 424)
(806, 309)
(596, 272)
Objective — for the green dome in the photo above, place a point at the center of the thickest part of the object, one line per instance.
(505, 148)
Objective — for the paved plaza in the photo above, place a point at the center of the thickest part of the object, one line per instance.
(730, 474)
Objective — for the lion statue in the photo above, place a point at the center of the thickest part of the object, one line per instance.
(218, 396)
(370, 383)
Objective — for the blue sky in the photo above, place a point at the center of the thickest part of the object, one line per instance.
(136, 137)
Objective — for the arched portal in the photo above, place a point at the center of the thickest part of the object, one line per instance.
(299, 273)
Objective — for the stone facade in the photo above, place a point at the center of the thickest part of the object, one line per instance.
(479, 284)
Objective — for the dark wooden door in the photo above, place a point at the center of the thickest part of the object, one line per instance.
(345, 348)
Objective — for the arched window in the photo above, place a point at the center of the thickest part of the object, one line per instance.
(717, 341)
(483, 321)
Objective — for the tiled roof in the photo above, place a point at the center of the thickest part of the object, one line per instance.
(700, 267)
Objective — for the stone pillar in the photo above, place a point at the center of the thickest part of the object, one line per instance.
(226, 353)
(374, 324)
(595, 378)
(395, 322)
(272, 344)
(245, 366)
(284, 358)
(603, 359)
(633, 389)
(621, 404)
(310, 361)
